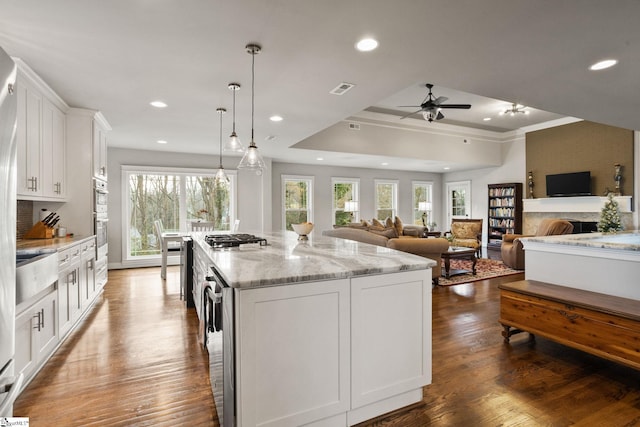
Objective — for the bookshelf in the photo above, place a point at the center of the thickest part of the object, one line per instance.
(505, 212)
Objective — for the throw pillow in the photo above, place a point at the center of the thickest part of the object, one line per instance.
(376, 223)
(399, 226)
(388, 223)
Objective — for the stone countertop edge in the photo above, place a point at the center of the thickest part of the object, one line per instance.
(30, 246)
(285, 260)
(626, 240)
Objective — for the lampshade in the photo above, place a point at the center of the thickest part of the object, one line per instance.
(424, 206)
(252, 160)
(233, 144)
(221, 177)
(351, 206)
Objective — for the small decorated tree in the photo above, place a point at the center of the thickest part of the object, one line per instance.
(610, 217)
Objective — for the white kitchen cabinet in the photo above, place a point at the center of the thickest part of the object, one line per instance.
(292, 353)
(390, 341)
(41, 139)
(88, 285)
(54, 152)
(36, 334)
(99, 151)
(69, 289)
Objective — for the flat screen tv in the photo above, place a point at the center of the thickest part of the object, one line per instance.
(569, 184)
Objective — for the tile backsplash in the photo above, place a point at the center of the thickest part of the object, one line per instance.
(24, 217)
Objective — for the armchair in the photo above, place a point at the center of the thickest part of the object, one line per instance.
(512, 251)
(467, 233)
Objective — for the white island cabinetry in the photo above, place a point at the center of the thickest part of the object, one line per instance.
(328, 332)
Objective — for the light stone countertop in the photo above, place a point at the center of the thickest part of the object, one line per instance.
(30, 246)
(286, 260)
(624, 240)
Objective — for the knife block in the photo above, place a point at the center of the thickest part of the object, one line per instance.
(40, 231)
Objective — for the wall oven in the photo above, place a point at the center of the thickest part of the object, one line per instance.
(101, 221)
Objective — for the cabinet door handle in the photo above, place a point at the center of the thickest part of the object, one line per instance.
(42, 317)
(37, 316)
(58, 188)
(90, 264)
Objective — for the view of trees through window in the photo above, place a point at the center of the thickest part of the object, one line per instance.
(297, 193)
(173, 199)
(385, 200)
(344, 191)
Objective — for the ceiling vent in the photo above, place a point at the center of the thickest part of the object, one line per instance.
(341, 88)
(354, 126)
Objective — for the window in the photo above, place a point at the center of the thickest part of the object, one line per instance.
(386, 199)
(297, 193)
(458, 200)
(346, 196)
(174, 196)
(423, 204)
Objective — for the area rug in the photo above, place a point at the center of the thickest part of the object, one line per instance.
(485, 269)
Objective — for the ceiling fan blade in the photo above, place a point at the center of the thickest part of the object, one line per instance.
(407, 106)
(407, 115)
(459, 106)
(439, 100)
(440, 116)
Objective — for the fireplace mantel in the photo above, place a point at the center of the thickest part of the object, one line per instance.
(574, 204)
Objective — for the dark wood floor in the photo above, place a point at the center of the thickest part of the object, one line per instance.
(136, 362)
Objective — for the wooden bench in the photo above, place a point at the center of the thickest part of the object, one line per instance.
(603, 325)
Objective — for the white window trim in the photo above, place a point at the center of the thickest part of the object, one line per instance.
(394, 196)
(310, 183)
(127, 170)
(356, 183)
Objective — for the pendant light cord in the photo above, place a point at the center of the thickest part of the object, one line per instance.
(253, 88)
(221, 139)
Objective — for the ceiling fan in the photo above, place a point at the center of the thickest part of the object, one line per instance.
(431, 106)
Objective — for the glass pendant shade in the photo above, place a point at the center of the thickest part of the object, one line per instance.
(233, 144)
(252, 160)
(221, 177)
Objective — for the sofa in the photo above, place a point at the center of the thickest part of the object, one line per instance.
(431, 248)
(512, 251)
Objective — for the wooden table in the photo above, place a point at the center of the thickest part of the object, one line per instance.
(458, 253)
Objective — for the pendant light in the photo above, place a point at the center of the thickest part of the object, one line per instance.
(233, 144)
(221, 177)
(252, 160)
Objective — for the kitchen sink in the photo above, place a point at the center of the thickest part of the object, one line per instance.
(35, 271)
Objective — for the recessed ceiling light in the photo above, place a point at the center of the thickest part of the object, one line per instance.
(319, 159)
(607, 63)
(384, 164)
(161, 141)
(367, 45)
(158, 104)
(486, 119)
(270, 137)
(446, 168)
(275, 118)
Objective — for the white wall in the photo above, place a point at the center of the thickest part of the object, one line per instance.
(513, 169)
(322, 199)
(254, 192)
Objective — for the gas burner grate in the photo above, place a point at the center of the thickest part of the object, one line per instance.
(232, 240)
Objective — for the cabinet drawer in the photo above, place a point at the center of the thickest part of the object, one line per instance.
(593, 331)
(88, 247)
(69, 256)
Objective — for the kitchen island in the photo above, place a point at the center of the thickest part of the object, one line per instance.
(607, 263)
(325, 332)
